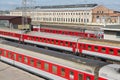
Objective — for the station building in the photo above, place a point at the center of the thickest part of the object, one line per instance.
(91, 14)
(13, 22)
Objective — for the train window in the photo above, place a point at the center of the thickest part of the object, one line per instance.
(52, 41)
(89, 47)
(9, 55)
(103, 49)
(48, 40)
(14, 56)
(25, 60)
(71, 75)
(88, 78)
(45, 40)
(46, 66)
(56, 41)
(40, 39)
(36, 38)
(61, 43)
(111, 51)
(0, 52)
(96, 48)
(70, 44)
(66, 44)
(118, 52)
(83, 46)
(5, 53)
(62, 72)
(19, 58)
(54, 69)
(38, 64)
(80, 77)
(31, 62)
(28, 37)
(32, 38)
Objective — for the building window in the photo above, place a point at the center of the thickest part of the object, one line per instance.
(76, 20)
(87, 20)
(79, 19)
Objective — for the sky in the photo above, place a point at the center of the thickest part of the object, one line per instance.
(12, 4)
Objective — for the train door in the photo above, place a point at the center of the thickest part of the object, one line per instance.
(80, 76)
(73, 47)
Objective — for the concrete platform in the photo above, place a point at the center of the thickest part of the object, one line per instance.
(8, 72)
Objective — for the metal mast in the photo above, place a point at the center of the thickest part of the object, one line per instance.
(24, 13)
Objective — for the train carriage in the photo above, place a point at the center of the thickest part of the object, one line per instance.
(69, 32)
(77, 45)
(51, 65)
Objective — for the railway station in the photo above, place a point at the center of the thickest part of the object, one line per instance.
(60, 42)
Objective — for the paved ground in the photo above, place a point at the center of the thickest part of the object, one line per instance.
(8, 72)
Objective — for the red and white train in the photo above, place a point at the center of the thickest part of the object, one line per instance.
(56, 67)
(69, 32)
(98, 48)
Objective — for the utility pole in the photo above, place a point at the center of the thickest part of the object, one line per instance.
(24, 14)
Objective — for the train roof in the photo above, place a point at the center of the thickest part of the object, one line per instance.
(71, 61)
(41, 34)
(111, 71)
(53, 36)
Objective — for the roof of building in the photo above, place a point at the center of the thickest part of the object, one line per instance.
(112, 28)
(15, 19)
(63, 7)
(67, 6)
(8, 17)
